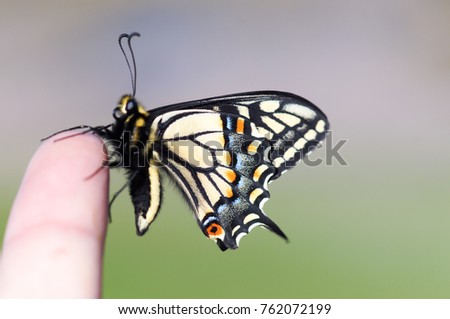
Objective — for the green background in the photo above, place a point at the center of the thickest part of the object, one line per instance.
(378, 227)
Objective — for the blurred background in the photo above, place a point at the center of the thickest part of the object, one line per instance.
(378, 227)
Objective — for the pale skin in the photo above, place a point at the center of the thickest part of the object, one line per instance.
(55, 236)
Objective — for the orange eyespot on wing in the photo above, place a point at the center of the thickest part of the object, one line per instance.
(214, 230)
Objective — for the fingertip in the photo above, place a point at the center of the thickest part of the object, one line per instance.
(61, 176)
(60, 217)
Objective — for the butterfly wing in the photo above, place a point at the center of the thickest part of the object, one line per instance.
(224, 151)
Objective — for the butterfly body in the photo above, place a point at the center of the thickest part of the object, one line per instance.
(222, 152)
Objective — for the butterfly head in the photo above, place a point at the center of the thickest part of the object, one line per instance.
(129, 116)
(128, 109)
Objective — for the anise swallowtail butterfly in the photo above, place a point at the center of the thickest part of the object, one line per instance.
(221, 151)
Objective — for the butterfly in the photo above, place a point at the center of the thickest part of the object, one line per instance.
(222, 152)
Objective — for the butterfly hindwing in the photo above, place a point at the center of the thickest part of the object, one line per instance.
(223, 152)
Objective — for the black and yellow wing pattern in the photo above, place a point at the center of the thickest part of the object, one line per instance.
(222, 152)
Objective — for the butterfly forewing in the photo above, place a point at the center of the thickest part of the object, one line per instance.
(223, 152)
(293, 125)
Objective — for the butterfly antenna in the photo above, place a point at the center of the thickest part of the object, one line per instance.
(133, 70)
